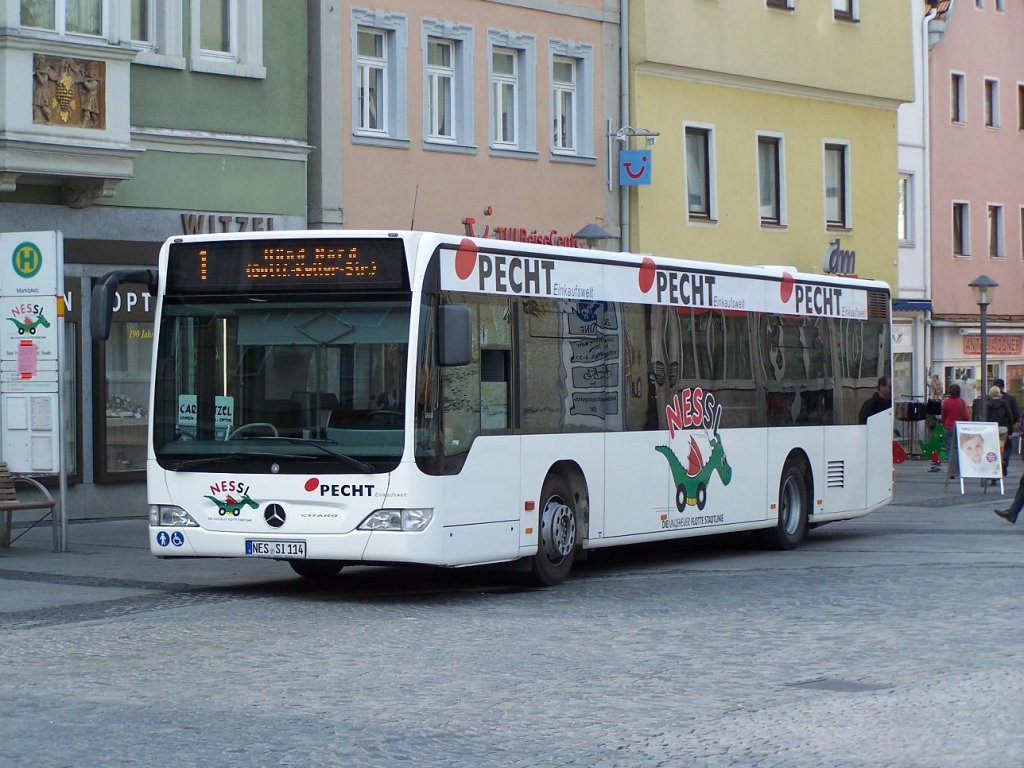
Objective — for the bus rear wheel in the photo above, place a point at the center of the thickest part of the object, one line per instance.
(558, 534)
(794, 507)
(316, 569)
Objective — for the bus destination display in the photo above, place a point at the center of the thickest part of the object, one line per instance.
(269, 266)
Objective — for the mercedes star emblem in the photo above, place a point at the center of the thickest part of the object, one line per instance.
(274, 515)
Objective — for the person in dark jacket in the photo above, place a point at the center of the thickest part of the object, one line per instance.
(999, 412)
(1011, 401)
(880, 400)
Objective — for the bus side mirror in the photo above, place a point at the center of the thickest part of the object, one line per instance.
(103, 297)
(453, 339)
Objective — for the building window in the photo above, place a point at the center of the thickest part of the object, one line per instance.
(121, 378)
(441, 89)
(992, 103)
(956, 97)
(513, 111)
(837, 186)
(379, 82)
(1020, 107)
(156, 29)
(572, 97)
(845, 10)
(769, 179)
(904, 211)
(227, 37)
(1022, 232)
(447, 84)
(371, 66)
(504, 97)
(1000, 5)
(961, 229)
(786, 5)
(82, 17)
(995, 232)
(143, 22)
(979, 4)
(563, 104)
(699, 164)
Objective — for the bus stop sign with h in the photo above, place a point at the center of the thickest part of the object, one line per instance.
(31, 351)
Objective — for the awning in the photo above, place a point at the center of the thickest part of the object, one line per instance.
(911, 305)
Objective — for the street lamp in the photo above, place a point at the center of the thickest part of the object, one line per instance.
(984, 288)
(591, 234)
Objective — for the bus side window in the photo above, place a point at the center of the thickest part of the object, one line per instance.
(495, 384)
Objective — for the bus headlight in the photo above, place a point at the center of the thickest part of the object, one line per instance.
(165, 514)
(397, 520)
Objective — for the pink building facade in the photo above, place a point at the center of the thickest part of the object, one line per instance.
(466, 116)
(976, 201)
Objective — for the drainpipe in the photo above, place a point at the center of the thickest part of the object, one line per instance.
(926, 184)
(624, 244)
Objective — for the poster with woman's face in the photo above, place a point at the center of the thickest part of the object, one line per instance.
(978, 449)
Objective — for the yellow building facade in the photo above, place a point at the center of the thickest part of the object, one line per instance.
(777, 131)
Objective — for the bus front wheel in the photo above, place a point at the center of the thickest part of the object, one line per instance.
(558, 534)
(794, 507)
(316, 569)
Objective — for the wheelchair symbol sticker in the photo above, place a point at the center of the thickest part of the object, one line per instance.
(163, 539)
(177, 538)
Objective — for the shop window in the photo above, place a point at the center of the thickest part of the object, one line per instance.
(121, 370)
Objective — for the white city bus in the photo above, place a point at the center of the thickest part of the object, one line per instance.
(347, 397)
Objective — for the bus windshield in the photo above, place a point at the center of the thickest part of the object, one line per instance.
(244, 383)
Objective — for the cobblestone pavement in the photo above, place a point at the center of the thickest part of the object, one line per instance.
(894, 640)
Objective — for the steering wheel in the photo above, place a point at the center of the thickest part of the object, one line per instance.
(251, 427)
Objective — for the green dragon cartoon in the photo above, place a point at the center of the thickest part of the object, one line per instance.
(29, 325)
(231, 507)
(692, 484)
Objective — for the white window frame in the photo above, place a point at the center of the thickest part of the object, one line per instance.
(246, 30)
(960, 108)
(460, 37)
(60, 22)
(995, 230)
(712, 180)
(395, 28)
(965, 229)
(504, 93)
(583, 55)
(990, 102)
(164, 46)
(371, 69)
(847, 184)
(440, 100)
(1020, 219)
(565, 91)
(905, 217)
(780, 159)
(524, 48)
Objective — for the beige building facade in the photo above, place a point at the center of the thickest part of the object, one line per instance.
(475, 116)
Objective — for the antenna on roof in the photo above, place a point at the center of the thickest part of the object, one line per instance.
(415, 197)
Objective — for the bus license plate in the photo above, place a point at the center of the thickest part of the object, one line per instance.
(271, 548)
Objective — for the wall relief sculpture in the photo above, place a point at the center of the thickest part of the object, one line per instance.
(69, 92)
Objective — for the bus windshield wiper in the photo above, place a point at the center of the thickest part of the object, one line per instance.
(213, 459)
(320, 445)
(221, 458)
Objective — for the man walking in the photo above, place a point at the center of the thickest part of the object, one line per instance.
(1010, 513)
